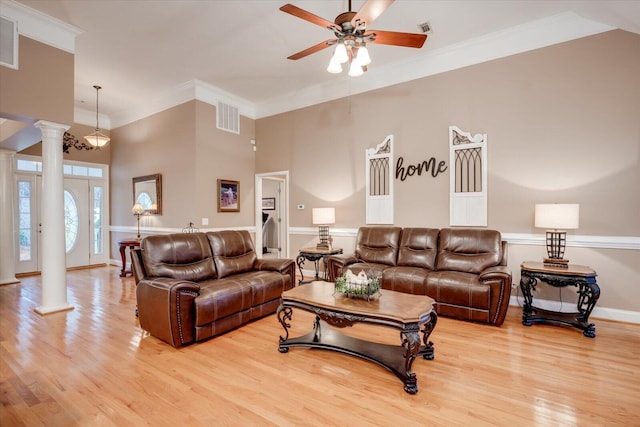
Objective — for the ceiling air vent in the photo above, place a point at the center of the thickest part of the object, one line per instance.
(228, 118)
(425, 27)
(8, 43)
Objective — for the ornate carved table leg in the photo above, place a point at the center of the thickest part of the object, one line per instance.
(526, 285)
(284, 316)
(588, 295)
(411, 345)
(428, 352)
(300, 262)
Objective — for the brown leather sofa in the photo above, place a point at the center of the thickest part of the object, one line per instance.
(462, 269)
(193, 286)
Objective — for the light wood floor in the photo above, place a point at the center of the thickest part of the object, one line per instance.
(94, 366)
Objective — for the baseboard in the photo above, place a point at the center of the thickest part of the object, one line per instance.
(597, 313)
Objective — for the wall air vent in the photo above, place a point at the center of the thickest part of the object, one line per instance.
(8, 42)
(228, 118)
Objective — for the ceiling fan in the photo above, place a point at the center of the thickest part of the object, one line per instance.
(351, 35)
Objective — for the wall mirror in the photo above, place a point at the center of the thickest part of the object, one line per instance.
(147, 190)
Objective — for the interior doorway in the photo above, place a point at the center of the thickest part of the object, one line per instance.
(272, 214)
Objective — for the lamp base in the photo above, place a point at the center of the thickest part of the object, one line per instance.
(323, 245)
(556, 262)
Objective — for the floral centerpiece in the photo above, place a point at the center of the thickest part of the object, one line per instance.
(358, 285)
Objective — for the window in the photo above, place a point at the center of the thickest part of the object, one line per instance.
(70, 221)
(24, 215)
(98, 246)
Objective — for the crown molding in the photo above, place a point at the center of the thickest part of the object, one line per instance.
(88, 118)
(185, 92)
(540, 33)
(40, 27)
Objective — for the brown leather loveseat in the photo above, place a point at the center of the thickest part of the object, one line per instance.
(462, 269)
(193, 286)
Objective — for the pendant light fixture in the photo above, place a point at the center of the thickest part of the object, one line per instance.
(97, 139)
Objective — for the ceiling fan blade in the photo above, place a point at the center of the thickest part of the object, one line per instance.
(313, 49)
(370, 11)
(308, 16)
(397, 39)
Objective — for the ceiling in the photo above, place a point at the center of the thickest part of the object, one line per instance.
(139, 50)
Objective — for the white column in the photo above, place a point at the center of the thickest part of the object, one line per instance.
(7, 222)
(54, 271)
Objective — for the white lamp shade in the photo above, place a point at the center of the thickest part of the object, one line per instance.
(362, 56)
(324, 216)
(97, 139)
(334, 66)
(340, 54)
(557, 216)
(137, 209)
(356, 69)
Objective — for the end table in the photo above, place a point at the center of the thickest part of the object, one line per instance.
(124, 244)
(315, 255)
(584, 278)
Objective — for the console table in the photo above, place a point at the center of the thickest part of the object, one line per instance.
(124, 244)
(315, 255)
(412, 315)
(584, 278)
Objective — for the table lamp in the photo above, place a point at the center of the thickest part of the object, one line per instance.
(557, 218)
(323, 217)
(138, 210)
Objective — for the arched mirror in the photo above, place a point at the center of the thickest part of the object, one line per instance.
(147, 191)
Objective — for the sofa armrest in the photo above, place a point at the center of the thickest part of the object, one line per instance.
(337, 263)
(174, 324)
(499, 280)
(281, 265)
(497, 272)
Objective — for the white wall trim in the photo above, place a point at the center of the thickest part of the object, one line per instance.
(577, 241)
(597, 313)
(548, 31)
(533, 35)
(43, 28)
(586, 241)
(185, 92)
(149, 231)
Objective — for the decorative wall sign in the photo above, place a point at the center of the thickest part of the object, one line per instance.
(228, 196)
(426, 166)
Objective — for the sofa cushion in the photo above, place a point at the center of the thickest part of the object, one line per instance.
(418, 247)
(468, 250)
(458, 289)
(406, 279)
(182, 256)
(378, 245)
(221, 298)
(233, 251)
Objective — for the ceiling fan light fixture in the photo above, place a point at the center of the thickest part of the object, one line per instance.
(340, 54)
(355, 69)
(362, 57)
(97, 139)
(334, 66)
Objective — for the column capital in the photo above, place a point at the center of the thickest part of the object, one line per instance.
(51, 125)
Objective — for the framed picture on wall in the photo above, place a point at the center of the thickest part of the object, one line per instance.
(228, 196)
(269, 204)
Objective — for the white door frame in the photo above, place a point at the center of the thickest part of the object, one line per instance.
(284, 210)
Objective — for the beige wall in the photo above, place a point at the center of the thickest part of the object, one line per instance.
(563, 125)
(184, 145)
(42, 88)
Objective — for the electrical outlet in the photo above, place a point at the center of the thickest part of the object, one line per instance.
(205, 221)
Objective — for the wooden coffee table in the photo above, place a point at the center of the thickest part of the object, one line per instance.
(405, 312)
